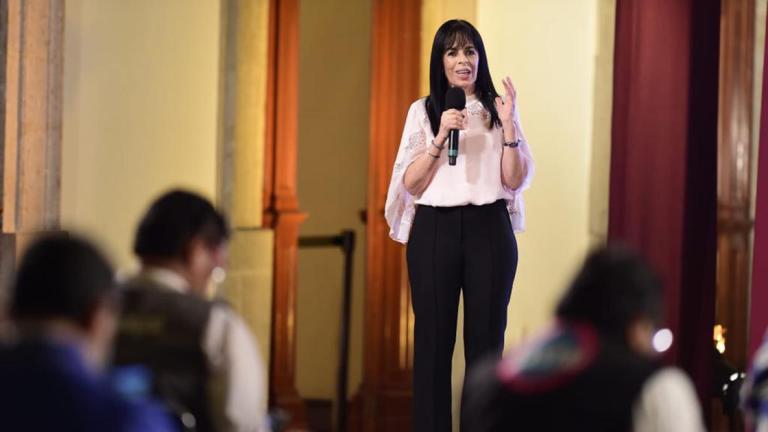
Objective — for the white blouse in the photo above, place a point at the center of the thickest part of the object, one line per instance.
(475, 179)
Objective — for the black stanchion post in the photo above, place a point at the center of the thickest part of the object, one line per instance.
(346, 240)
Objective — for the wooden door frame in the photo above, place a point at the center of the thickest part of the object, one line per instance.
(386, 390)
(395, 66)
(734, 194)
(281, 206)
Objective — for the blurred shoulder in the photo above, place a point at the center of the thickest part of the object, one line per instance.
(668, 402)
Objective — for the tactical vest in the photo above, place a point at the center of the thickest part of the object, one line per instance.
(163, 330)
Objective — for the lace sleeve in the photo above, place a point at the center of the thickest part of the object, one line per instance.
(400, 208)
(514, 197)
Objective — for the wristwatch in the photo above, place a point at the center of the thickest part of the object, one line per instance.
(512, 144)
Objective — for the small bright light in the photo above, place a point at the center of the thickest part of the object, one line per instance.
(188, 420)
(734, 376)
(218, 275)
(662, 340)
(725, 388)
(718, 337)
(720, 347)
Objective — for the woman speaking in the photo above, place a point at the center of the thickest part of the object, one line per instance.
(458, 210)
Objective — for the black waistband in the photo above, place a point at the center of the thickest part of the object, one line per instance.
(500, 203)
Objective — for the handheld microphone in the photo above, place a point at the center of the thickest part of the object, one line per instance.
(454, 99)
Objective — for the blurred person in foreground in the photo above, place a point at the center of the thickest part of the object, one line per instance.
(63, 306)
(595, 369)
(203, 359)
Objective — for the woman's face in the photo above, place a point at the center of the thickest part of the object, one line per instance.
(460, 62)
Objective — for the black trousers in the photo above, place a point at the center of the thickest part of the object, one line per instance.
(450, 248)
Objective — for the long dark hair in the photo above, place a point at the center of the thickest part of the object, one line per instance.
(447, 35)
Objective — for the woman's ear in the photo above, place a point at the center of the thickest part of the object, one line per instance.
(639, 335)
(201, 260)
(196, 253)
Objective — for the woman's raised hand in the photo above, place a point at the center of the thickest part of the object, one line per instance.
(506, 107)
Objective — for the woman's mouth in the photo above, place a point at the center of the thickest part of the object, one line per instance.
(463, 73)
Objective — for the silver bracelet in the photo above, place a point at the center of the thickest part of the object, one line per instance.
(437, 146)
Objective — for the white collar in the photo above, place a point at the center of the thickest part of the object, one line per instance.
(166, 278)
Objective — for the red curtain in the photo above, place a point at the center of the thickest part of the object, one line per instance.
(664, 160)
(759, 297)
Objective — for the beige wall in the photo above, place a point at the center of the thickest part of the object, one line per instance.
(333, 165)
(241, 176)
(602, 112)
(761, 7)
(140, 110)
(142, 113)
(757, 98)
(549, 49)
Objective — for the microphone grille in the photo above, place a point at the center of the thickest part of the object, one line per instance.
(455, 98)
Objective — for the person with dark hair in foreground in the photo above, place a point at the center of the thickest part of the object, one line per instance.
(203, 359)
(63, 305)
(594, 370)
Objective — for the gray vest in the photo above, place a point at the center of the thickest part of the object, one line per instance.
(163, 330)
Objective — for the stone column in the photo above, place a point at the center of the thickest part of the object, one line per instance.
(248, 286)
(32, 123)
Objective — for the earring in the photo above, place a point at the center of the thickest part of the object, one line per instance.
(218, 275)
